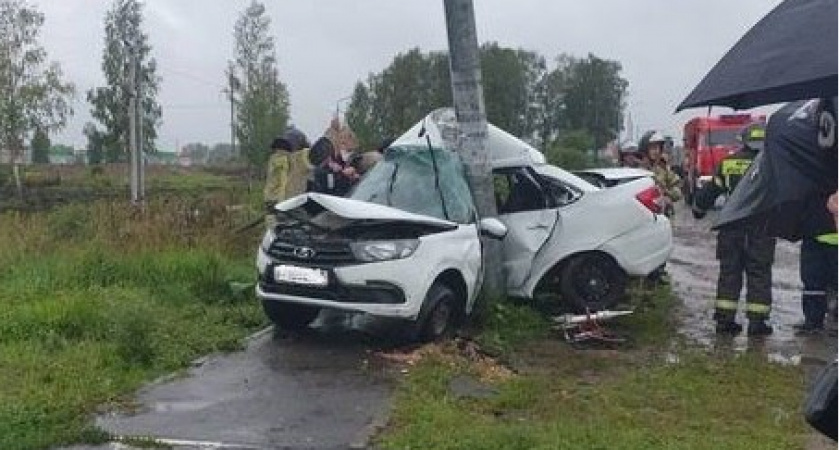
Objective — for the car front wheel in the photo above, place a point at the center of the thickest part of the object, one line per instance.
(439, 318)
(592, 282)
(289, 316)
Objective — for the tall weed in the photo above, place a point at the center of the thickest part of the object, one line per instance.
(97, 298)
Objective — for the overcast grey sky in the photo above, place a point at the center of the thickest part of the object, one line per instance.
(325, 46)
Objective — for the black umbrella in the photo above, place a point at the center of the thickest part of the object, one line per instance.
(787, 185)
(791, 54)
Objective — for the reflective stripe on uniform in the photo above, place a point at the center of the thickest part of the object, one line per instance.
(735, 166)
(726, 304)
(814, 293)
(756, 134)
(830, 238)
(758, 308)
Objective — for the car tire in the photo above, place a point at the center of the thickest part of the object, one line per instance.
(592, 282)
(289, 316)
(438, 318)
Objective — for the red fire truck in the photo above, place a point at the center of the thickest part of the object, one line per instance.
(707, 140)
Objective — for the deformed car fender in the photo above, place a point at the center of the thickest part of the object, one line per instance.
(459, 252)
(537, 278)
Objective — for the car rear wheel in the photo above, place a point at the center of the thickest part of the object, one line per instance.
(289, 316)
(592, 282)
(439, 319)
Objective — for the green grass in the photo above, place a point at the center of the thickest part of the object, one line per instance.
(631, 398)
(195, 181)
(112, 176)
(96, 300)
(507, 325)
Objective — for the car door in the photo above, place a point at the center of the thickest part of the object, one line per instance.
(526, 210)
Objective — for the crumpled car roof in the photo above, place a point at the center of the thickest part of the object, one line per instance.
(441, 125)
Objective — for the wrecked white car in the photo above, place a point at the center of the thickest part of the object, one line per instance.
(406, 243)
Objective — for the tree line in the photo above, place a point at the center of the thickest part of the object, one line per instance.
(569, 105)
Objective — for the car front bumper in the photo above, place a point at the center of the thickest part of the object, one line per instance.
(379, 289)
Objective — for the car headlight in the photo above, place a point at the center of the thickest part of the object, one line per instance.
(372, 251)
(268, 239)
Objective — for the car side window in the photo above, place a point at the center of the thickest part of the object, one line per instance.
(517, 190)
(560, 194)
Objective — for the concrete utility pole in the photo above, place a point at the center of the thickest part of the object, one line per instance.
(132, 127)
(231, 91)
(465, 71)
(141, 143)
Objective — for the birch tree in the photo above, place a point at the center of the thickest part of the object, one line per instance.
(33, 94)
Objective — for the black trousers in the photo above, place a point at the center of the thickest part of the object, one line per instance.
(818, 271)
(744, 251)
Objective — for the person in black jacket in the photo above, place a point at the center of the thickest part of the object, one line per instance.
(742, 248)
(318, 175)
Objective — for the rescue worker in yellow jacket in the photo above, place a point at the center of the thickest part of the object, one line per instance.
(742, 248)
(288, 167)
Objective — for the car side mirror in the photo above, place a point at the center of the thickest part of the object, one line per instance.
(493, 228)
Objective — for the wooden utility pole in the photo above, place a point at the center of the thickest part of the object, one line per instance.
(467, 94)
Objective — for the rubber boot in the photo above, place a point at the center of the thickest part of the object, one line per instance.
(728, 326)
(759, 328)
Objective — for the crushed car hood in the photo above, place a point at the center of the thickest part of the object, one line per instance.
(356, 210)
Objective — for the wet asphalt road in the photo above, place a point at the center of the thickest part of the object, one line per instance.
(315, 390)
(323, 390)
(694, 268)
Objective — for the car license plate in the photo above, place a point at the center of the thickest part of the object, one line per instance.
(301, 275)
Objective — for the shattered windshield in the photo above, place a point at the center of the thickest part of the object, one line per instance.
(420, 180)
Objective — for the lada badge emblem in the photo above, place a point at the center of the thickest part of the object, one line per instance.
(304, 252)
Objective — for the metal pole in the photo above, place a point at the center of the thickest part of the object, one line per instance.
(615, 154)
(465, 71)
(338, 105)
(594, 97)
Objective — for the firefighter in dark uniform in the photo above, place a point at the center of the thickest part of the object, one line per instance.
(742, 248)
(818, 272)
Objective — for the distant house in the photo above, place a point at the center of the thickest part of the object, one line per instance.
(82, 156)
(62, 154)
(162, 158)
(6, 156)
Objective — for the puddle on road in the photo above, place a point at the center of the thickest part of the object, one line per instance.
(693, 269)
